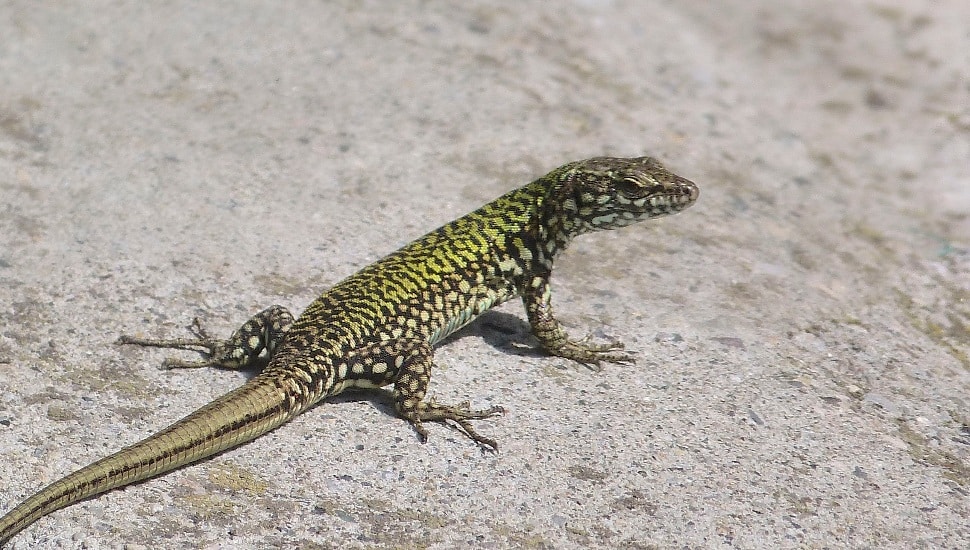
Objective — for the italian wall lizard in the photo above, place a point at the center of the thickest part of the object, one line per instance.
(378, 327)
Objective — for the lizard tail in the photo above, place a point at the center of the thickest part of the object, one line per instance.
(241, 415)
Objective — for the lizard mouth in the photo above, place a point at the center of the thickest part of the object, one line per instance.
(662, 201)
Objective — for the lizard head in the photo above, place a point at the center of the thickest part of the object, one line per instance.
(607, 193)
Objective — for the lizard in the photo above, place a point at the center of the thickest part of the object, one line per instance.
(378, 327)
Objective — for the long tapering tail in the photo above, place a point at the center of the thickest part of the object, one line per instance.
(241, 415)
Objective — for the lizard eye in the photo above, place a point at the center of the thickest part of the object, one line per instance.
(629, 188)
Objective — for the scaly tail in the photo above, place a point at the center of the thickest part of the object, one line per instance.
(262, 404)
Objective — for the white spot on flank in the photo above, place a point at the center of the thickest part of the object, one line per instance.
(604, 220)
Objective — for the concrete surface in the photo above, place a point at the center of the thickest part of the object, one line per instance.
(802, 333)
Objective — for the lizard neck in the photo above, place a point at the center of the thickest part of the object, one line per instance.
(556, 222)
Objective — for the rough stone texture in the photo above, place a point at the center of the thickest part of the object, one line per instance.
(804, 373)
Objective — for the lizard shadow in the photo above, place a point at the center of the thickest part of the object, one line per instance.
(505, 332)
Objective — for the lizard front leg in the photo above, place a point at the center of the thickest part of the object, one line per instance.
(264, 331)
(550, 333)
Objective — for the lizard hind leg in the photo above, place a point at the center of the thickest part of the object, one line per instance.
(264, 331)
(410, 387)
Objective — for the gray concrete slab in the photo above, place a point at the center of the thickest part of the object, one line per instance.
(802, 333)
